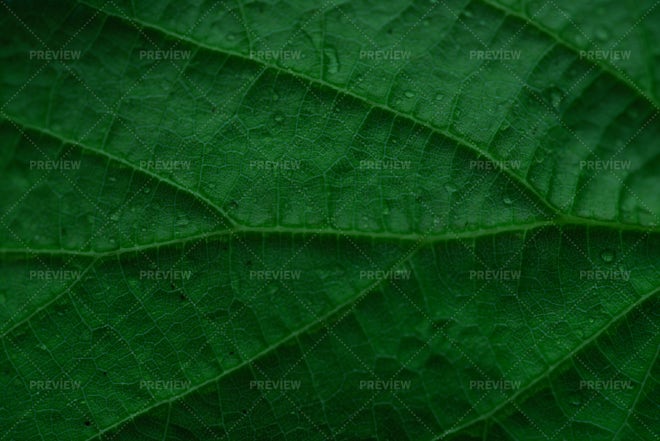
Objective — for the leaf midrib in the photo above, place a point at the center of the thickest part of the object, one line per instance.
(559, 220)
(423, 239)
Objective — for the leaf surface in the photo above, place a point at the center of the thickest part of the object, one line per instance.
(300, 220)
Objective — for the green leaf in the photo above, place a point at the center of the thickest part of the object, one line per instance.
(303, 220)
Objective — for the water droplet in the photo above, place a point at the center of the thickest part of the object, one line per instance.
(409, 94)
(602, 34)
(147, 190)
(331, 60)
(507, 200)
(607, 255)
(553, 96)
(231, 37)
(278, 117)
(42, 346)
(114, 217)
(541, 153)
(466, 14)
(439, 96)
(449, 188)
(580, 40)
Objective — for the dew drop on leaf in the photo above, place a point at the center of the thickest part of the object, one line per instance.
(553, 96)
(602, 34)
(607, 255)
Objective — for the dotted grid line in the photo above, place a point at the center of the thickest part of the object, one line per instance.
(637, 88)
(88, 242)
(43, 66)
(530, 349)
(77, 188)
(299, 250)
(88, 132)
(589, 180)
(441, 329)
(45, 175)
(561, 232)
(597, 392)
(363, 363)
(338, 338)
(249, 83)
(616, 43)
(67, 374)
(83, 137)
(128, 91)
(638, 131)
(94, 345)
(630, 140)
